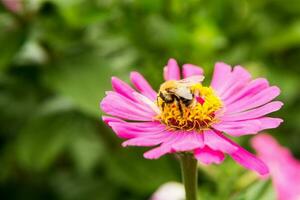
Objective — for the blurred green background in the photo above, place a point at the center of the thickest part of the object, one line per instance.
(56, 60)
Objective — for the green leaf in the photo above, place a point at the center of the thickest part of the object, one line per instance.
(260, 190)
(45, 138)
(82, 80)
(286, 38)
(72, 187)
(86, 150)
(12, 36)
(128, 168)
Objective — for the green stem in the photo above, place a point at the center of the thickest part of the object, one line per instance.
(189, 175)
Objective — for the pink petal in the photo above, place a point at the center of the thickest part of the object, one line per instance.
(163, 149)
(254, 113)
(256, 100)
(191, 70)
(252, 88)
(215, 141)
(107, 119)
(178, 142)
(154, 125)
(122, 88)
(145, 101)
(148, 140)
(234, 82)
(238, 128)
(249, 161)
(130, 130)
(189, 141)
(137, 103)
(244, 127)
(270, 151)
(239, 79)
(209, 156)
(119, 106)
(172, 71)
(142, 85)
(284, 168)
(270, 122)
(221, 72)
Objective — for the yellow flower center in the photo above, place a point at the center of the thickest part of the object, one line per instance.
(194, 113)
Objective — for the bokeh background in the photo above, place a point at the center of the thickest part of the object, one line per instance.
(56, 60)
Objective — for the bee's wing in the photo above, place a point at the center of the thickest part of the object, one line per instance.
(184, 92)
(183, 87)
(192, 80)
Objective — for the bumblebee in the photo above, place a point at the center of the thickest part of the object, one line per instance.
(180, 93)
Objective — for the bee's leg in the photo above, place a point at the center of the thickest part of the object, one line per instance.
(162, 96)
(167, 100)
(185, 101)
(179, 105)
(163, 106)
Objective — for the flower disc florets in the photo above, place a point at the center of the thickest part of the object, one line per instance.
(187, 107)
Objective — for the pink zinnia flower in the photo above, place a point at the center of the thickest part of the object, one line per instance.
(185, 116)
(284, 168)
(15, 6)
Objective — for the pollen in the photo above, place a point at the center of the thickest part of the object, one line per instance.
(199, 114)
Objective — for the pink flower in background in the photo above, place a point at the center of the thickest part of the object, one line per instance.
(284, 168)
(13, 5)
(170, 190)
(185, 116)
